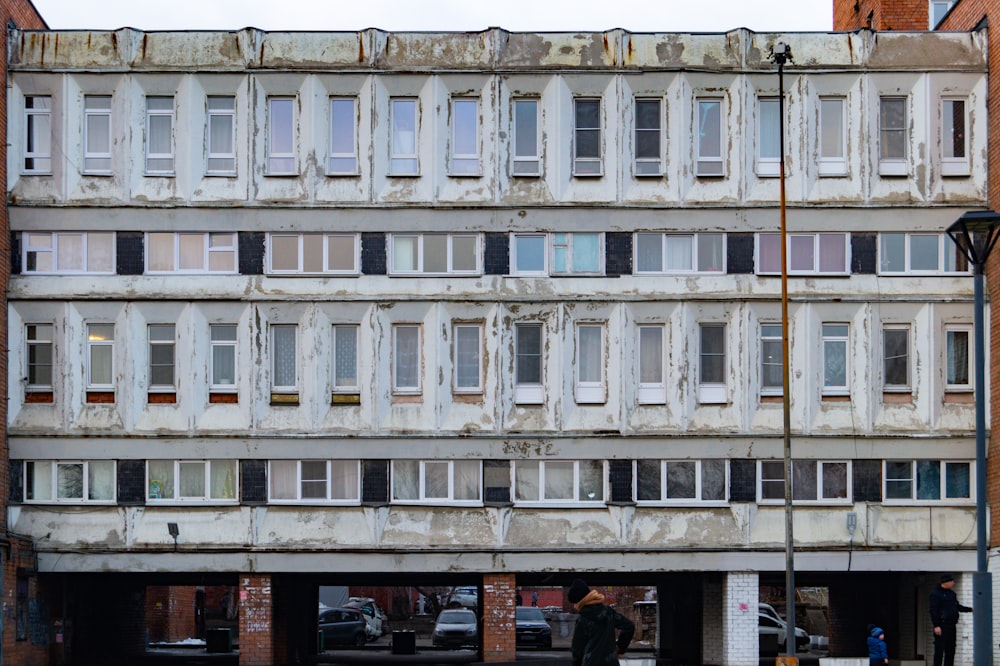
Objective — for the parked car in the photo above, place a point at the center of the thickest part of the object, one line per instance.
(456, 627)
(342, 626)
(374, 617)
(532, 629)
(467, 597)
(769, 622)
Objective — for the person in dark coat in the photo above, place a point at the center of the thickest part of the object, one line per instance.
(878, 654)
(944, 616)
(602, 634)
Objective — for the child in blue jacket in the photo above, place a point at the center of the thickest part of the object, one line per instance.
(878, 654)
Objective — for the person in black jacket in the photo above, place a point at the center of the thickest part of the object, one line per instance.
(944, 616)
(602, 634)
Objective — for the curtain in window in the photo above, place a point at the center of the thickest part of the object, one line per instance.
(586, 252)
(192, 252)
(526, 480)
(100, 250)
(710, 252)
(804, 479)
(161, 252)
(958, 358)
(436, 480)
(404, 253)
(406, 479)
(649, 253)
(467, 479)
(769, 253)
(770, 128)
(957, 480)
(831, 119)
(591, 481)
(70, 256)
(467, 356)
(713, 480)
(69, 481)
(928, 479)
(344, 480)
(314, 479)
(284, 356)
(161, 479)
(648, 480)
(801, 253)
(346, 356)
(39, 484)
(284, 477)
(407, 356)
(679, 253)
(832, 253)
(651, 355)
(223, 479)
(590, 361)
(559, 481)
(834, 480)
(192, 480)
(101, 480)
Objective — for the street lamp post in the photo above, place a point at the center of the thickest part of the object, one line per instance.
(975, 234)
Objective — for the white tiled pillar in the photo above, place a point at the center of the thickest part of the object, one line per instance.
(740, 596)
(964, 644)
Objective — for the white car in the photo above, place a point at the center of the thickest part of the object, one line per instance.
(373, 615)
(467, 597)
(769, 622)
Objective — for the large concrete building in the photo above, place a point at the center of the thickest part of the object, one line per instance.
(292, 309)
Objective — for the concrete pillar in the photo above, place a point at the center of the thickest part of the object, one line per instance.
(740, 596)
(711, 621)
(256, 620)
(499, 602)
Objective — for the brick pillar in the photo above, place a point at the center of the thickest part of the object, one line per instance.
(712, 634)
(256, 615)
(499, 601)
(740, 596)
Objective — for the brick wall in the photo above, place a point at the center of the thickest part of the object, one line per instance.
(256, 620)
(712, 634)
(881, 14)
(499, 601)
(22, 650)
(170, 613)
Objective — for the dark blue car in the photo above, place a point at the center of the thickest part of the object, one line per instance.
(342, 626)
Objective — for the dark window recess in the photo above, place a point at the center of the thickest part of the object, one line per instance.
(251, 244)
(864, 253)
(618, 253)
(373, 260)
(867, 480)
(496, 480)
(16, 495)
(496, 254)
(742, 480)
(739, 255)
(15, 253)
(130, 257)
(131, 482)
(253, 481)
(620, 476)
(375, 482)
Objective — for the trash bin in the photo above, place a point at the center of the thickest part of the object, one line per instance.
(404, 642)
(218, 640)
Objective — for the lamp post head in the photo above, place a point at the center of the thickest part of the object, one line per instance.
(781, 53)
(975, 234)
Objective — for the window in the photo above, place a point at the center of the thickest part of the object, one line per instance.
(927, 480)
(82, 481)
(528, 365)
(954, 138)
(69, 252)
(313, 253)
(938, 10)
(220, 143)
(333, 481)
(832, 136)
(406, 358)
(892, 136)
(652, 386)
(403, 155)
(957, 359)
(559, 481)
(920, 254)
(464, 137)
(712, 367)
(679, 253)
(683, 481)
(818, 481)
(527, 156)
(435, 253)
(345, 358)
(37, 134)
(100, 356)
(710, 140)
(648, 138)
(896, 358)
(280, 136)
(835, 348)
(590, 363)
(343, 158)
(284, 363)
(223, 357)
(191, 481)
(587, 137)
(39, 342)
(191, 252)
(162, 347)
(160, 136)
(529, 254)
(771, 376)
(97, 134)
(768, 136)
(437, 481)
(808, 254)
(468, 352)
(576, 253)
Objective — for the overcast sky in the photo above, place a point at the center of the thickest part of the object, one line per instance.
(445, 15)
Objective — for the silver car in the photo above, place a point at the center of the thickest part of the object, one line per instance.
(455, 628)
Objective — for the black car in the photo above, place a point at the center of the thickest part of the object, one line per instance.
(532, 629)
(342, 626)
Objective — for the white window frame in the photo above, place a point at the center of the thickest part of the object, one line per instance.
(228, 345)
(767, 339)
(588, 166)
(276, 387)
(281, 162)
(464, 163)
(343, 161)
(402, 162)
(169, 114)
(419, 267)
(33, 248)
(565, 243)
(33, 468)
(96, 162)
(949, 257)
(515, 258)
(37, 147)
(893, 165)
(970, 361)
(645, 167)
(529, 393)
(424, 468)
(301, 247)
(831, 337)
(771, 243)
(226, 159)
(158, 342)
(530, 163)
(208, 497)
(700, 472)
(712, 393)
(591, 390)
(821, 466)
(668, 241)
(340, 331)
(351, 467)
(399, 388)
(93, 343)
(767, 165)
(572, 502)
(38, 337)
(833, 165)
(913, 479)
(462, 352)
(954, 140)
(654, 390)
(210, 251)
(897, 387)
(707, 164)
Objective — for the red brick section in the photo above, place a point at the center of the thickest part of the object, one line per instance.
(499, 602)
(881, 14)
(256, 620)
(170, 613)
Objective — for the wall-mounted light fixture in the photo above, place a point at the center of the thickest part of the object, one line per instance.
(174, 532)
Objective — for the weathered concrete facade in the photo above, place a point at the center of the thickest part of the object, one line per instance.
(628, 438)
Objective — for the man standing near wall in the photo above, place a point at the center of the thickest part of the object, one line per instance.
(944, 616)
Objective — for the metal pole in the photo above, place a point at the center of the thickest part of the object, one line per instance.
(982, 584)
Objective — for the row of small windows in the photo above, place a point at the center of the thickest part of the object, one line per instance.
(465, 158)
(590, 360)
(524, 483)
(474, 254)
